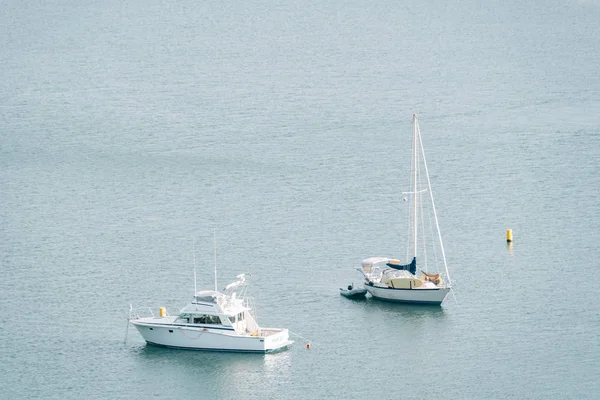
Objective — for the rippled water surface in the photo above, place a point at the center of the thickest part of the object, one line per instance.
(129, 130)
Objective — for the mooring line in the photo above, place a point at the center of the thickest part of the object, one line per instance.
(302, 337)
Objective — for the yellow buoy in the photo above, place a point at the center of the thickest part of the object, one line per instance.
(162, 312)
(509, 237)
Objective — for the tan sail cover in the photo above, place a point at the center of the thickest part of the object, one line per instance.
(403, 283)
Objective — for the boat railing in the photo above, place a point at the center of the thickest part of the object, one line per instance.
(375, 275)
(251, 304)
(268, 331)
(145, 312)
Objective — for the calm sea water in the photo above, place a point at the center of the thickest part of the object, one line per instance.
(129, 130)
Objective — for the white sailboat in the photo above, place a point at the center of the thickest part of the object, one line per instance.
(408, 282)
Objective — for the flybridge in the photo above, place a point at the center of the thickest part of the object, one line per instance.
(207, 296)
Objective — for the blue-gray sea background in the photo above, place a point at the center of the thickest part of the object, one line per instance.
(130, 130)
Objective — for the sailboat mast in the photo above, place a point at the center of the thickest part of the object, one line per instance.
(414, 188)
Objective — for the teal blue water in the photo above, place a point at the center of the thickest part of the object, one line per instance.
(130, 130)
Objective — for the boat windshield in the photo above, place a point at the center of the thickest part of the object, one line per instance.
(397, 273)
(207, 319)
(199, 319)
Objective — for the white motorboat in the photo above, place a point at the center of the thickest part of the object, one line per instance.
(388, 278)
(217, 321)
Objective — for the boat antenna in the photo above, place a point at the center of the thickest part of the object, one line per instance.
(194, 261)
(215, 253)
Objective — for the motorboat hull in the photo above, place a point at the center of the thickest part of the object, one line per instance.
(433, 296)
(212, 339)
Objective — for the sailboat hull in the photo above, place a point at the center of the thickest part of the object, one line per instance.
(416, 296)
